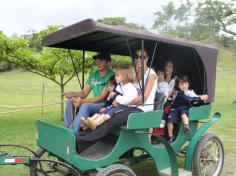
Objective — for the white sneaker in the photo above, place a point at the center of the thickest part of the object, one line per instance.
(162, 124)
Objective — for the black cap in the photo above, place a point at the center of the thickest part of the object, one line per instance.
(102, 56)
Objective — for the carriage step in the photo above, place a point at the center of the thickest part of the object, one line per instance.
(167, 172)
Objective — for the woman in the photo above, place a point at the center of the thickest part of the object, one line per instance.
(86, 138)
(170, 76)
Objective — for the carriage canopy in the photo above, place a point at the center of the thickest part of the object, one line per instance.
(191, 58)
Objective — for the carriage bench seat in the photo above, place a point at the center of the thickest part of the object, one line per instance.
(152, 119)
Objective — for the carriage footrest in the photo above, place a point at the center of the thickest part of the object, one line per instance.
(98, 150)
(167, 172)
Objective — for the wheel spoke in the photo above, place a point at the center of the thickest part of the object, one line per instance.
(210, 156)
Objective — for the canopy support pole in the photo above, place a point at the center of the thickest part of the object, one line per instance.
(72, 60)
(83, 69)
(142, 69)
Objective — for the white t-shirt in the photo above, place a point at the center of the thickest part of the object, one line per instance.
(128, 91)
(172, 83)
(163, 87)
(191, 93)
(150, 99)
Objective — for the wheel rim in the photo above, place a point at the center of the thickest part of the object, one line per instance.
(211, 158)
(119, 174)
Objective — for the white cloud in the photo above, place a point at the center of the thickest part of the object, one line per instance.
(21, 16)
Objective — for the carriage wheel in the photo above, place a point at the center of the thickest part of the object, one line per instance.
(116, 170)
(208, 158)
(45, 165)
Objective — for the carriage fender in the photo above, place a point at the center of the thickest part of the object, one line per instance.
(196, 137)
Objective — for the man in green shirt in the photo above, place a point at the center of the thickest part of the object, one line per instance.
(97, 83)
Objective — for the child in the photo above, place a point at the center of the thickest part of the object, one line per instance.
(124, 80)
(162, 89)
(160, 96)
(111, 88)
(183, 99)
(111, 82)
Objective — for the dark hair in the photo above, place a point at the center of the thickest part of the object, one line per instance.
(182, 79)
(161, 70)
(102, 56)
(144, 50)
(174, 71)
(112, 80)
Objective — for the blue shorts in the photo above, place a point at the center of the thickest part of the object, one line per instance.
(175, 115)
(112, 110)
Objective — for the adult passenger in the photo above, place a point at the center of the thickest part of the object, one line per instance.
(97, 83)
(170, 76)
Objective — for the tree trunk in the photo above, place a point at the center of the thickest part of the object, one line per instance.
(62, 98)
(62, 103)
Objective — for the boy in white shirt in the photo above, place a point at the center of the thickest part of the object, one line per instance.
(162, 89)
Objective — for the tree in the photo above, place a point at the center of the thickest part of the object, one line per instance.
(120, 21)
(218, 15)
(196, 20)
(164, 19)
(51, 63)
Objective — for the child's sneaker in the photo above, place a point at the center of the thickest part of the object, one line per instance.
(186, 128)
(162, 124)
(92, 124)
(84, 123)
(171, 139)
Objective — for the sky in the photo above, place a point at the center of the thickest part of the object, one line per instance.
(21, 16)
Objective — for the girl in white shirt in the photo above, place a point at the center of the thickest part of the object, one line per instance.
(128, 92)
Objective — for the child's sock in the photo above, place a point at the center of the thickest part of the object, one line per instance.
(162, 124)
(186, 128)
(171, 139)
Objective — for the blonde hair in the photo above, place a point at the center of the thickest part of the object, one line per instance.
(126, 73)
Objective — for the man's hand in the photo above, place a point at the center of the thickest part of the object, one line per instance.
(68, 95)
(77, 101)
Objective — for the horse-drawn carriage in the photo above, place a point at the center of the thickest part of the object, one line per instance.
(202, 152)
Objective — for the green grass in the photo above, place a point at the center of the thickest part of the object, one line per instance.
(22, 88)
(226, 59)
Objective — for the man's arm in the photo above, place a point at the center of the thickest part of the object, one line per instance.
(97, 99)
(82, 94)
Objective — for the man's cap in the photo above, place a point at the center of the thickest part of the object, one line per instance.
(102, 56)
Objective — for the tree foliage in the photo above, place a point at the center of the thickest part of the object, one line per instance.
(51, 63)
(219, 15)
(164, 19)
(198, 20)
(120, 21)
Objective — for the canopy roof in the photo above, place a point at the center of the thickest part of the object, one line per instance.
(191, 58)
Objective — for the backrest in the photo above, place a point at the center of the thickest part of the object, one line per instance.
(200, 112)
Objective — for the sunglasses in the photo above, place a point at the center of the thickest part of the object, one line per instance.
(137, 57)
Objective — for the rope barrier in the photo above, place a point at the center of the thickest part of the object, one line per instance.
(25, 107)
(28, 106)
(50, 102)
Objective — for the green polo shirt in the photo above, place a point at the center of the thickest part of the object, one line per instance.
(97, 82)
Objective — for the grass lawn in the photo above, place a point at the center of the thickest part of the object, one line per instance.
(19, 88)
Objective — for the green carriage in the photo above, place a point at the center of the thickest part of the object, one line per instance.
(115, 153)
